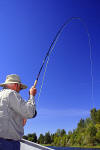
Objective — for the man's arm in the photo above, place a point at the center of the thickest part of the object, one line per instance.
(25, 109)
(25, 120)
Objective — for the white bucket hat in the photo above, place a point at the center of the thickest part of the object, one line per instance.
(13, 78)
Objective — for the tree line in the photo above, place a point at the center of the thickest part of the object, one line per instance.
(87, 133)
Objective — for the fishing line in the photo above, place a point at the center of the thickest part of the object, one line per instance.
(46, 59)
(46, 69)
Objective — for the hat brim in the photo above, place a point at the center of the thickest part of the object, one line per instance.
(23, 86)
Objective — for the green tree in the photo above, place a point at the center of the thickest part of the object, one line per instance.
(87, 122)
(52, 138)
(47, 138)
(25, 137)
(93, 115)
(81, 124)
(98, 116)
(55, 140)
(91, 131)
(32, 137)
(97, 126)
(98, 137)
(69, 132)
(41, 139)
(59, 141)
(64, 141)
(58, 132)
(63, 132)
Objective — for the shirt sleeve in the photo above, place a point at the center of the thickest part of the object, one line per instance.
(25, 109)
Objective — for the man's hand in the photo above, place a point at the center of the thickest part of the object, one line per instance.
(33, 91)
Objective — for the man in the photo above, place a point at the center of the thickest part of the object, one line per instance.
(14, 111)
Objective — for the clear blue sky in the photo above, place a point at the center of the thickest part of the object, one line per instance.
(27, 28)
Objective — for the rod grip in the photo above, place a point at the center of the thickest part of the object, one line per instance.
(35, 83)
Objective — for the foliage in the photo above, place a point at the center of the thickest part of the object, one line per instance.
(87, 133)
(93, 115)
(31, 137)
(41, 139)
(47, 138)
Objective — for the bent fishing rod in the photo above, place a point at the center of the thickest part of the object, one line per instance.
(48, 52)
(46, 58)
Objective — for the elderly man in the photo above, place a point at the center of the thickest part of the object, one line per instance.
(13, 112)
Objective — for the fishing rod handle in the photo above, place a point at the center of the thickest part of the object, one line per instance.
(35, 83)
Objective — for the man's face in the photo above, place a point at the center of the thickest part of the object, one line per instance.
(17, 87)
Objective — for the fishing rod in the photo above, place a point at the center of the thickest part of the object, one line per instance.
(47, 54)
(46, 58)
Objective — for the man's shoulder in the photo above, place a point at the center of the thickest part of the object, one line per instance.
(6, 91)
